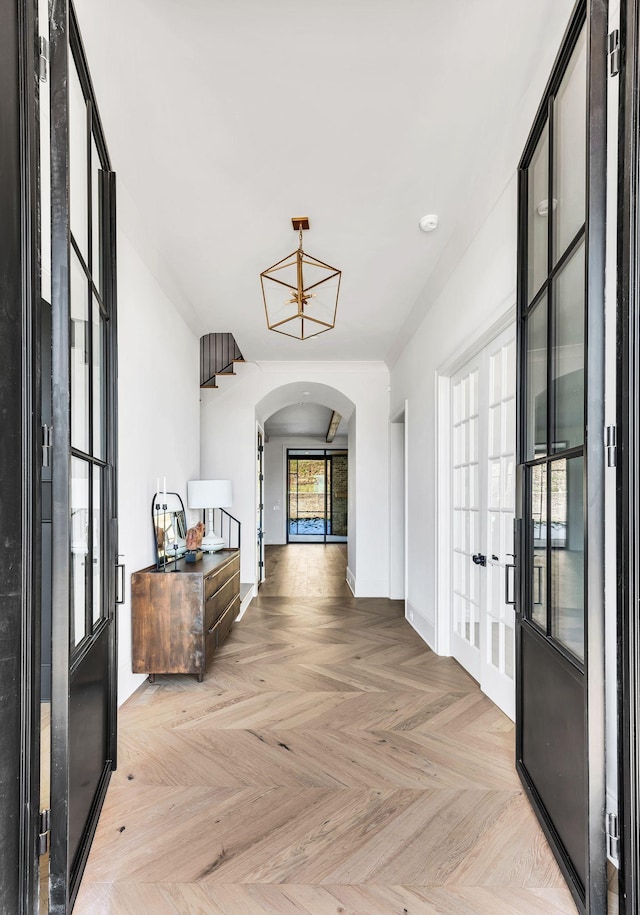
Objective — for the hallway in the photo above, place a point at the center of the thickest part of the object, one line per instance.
(328, 763)
(309, 569)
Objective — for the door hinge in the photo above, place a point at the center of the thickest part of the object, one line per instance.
(47, 445)
(613, 837)
(43, 60)
(261, 477)
(614, 52)
(44, 828)
(260, 564)
(260, 449)
(612, 448)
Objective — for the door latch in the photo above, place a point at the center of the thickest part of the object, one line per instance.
(479, 559)
(120, 580)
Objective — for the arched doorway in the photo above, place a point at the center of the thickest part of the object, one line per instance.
(303, 492)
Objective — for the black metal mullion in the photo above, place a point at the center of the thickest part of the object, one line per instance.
(594, 463)
(61, 554)
(550, 351)
(90, 544)
(94, 288)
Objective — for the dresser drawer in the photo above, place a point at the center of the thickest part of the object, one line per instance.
(226, 622)
(216, 635)
(213, 582)
(218, 602)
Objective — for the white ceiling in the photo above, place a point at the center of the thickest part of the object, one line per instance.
(224, 119)
(305, 420)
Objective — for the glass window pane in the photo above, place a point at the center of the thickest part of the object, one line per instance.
(570, 138)
(79, 333)
(78, 203)
(568, 354)
(97, 544)
(79, 508)
(96, 218)
(538, 225)
(567, 554)
(538, 522)
(537, 381)
(99, 409)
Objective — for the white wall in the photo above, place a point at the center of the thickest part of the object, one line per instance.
(228, 430)
(275, 480)
(397, 509)
(158, 421)
(480, 290)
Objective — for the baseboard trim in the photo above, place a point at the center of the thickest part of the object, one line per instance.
(351, 581)
(425, 629)
(247, 593)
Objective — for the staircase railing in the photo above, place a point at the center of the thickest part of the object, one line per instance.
(228, 527)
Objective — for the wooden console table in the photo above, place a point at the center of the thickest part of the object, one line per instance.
(179, 618)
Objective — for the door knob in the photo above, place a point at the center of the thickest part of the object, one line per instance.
(479, 559)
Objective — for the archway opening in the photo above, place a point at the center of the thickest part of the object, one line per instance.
(305, 497)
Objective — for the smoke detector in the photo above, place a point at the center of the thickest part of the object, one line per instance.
(429, 223)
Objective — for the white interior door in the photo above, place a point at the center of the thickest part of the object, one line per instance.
(498, 670)
(468, 510)
(483, 488)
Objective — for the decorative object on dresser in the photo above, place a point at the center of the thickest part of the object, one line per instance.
(179, 621)
(209, 495)
(169, 527)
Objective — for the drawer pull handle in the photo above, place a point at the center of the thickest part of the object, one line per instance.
(224, 613)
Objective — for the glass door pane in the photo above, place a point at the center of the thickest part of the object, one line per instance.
(569, 147)
(567, 554)
(78, 165)
(537, 216)
(568, 353)
(79, 586)
(538, 538)
(307, 499)
(80, 356)
(536, 380)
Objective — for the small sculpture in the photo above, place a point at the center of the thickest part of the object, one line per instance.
(194, 536)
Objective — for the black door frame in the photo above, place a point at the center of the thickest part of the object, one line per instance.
(592, 898)
(19, 459)
(628, 457)
(325, 454)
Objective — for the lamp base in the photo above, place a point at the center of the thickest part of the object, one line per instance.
(211, 544)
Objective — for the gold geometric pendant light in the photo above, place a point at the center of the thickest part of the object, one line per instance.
(300, 292)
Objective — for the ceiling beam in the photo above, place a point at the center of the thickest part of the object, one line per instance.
(334, 422)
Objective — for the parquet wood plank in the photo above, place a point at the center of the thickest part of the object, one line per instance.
(329, 763)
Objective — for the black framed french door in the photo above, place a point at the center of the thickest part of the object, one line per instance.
(628, 459)
(84, 408)
(560, 511)
(20, 457)
(317, 499)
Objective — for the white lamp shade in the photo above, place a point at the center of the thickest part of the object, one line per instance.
(209, 494)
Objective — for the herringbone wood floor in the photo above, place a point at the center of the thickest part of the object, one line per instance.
(329, 763)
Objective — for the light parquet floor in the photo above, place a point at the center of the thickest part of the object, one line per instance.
(329, 763)
(310, 569)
